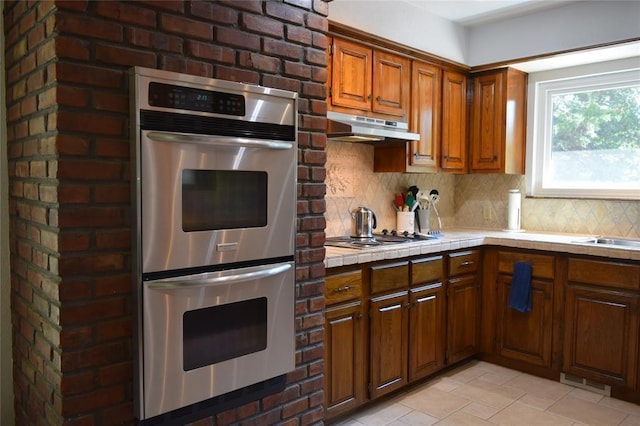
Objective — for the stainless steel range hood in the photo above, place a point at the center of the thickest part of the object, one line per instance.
(355, 128)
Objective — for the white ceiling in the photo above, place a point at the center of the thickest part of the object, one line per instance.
(472, 12)
(479, 12)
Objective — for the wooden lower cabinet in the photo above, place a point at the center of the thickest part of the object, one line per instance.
(463, 309)
(345, 369)
(426, 330)
(601, 335)
(389, 343)
(602, 321)
(525, 336)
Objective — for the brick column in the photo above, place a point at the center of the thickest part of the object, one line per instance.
(68, 150)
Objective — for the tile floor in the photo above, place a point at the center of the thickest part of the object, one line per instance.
(479, 393)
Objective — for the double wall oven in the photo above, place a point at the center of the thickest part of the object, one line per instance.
(214, 187)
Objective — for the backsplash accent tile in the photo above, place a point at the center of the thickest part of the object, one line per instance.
(351, 182)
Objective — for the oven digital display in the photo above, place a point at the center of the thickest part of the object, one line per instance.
(192, 99)
(223, 199)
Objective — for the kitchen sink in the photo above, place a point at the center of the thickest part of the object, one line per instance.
(611, 241)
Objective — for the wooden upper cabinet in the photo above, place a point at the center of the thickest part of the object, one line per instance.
(498, 122)
(369, 80)
(454, 122)
(391, 80)
(426, 105)
(351, 75)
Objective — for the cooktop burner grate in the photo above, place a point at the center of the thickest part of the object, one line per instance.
(377, 240)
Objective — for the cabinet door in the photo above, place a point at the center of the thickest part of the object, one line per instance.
(487, 134)
(351, 75)
(426, 330)
(388, 327)
(454, 122)
(344, 352)
(426, 103)
(463, 309)
(526, 336)
(601, 335)
(391, 80)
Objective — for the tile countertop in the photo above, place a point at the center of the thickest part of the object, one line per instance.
(455, 239)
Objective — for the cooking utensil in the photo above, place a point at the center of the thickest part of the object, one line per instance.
(399, 200)
(433, 199)
(409, 201)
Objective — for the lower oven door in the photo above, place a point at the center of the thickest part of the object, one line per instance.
(208, 334)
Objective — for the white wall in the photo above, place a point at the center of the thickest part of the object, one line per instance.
(579, 24)
(575, 26)
(6, 375)
(403, 23)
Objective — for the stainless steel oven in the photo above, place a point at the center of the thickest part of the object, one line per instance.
(214, 187)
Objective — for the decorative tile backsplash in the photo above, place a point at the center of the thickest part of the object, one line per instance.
(464, 200)
(351, 182)
(604, 217)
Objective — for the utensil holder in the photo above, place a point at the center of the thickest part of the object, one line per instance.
(423, 224)
(405, 221)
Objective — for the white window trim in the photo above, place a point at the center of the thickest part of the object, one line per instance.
(540, 85)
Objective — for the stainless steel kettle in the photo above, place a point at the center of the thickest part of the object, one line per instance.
(363, 221)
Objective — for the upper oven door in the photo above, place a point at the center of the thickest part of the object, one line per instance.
(211, 200)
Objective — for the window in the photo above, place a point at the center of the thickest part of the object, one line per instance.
(584, 132)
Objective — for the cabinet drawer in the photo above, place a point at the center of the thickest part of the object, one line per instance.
(341, 287)
(463, 262)
(541, 266)
(620, 275)
(426, 270)
(389, 277)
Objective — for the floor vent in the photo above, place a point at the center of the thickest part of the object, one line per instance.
(590, 385)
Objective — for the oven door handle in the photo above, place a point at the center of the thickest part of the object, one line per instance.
(217, 140)
(212, 279)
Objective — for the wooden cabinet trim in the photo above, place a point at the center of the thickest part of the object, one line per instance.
(605, 273)
(464, 262)
(343, 286)
(388, 277)
(427, 269)
(542, 266)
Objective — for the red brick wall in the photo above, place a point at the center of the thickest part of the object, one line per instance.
(68, 149)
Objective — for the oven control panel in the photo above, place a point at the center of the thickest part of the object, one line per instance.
(193, 99)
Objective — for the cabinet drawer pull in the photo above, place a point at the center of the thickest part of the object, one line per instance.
(390, 308)
(342, 289)
(378, 98)
(424, 299)
(467, 263)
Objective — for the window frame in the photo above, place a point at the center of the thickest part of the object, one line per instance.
(540, 88)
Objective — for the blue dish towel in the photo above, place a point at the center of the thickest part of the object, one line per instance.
(520, 293)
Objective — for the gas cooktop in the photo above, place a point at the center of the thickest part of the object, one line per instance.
(378, 240)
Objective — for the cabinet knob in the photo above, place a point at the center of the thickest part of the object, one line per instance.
(378, 99)
(369, 97)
